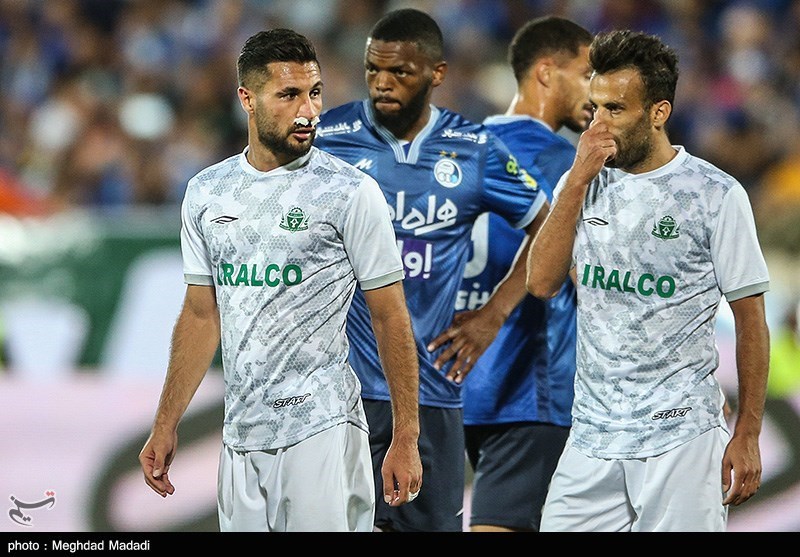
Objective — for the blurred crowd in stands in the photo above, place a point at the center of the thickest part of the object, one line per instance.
(116, 103)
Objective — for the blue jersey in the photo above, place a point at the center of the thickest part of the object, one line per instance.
(436, 187)
(527, 373)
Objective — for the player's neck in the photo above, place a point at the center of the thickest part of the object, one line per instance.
(410, 131)
(533, 106)
(265, 160)
(661, 154)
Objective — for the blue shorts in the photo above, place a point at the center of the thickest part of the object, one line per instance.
(440, 505)
(512, 465)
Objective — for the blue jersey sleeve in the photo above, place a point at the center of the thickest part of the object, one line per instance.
(510, 190)
(554, 161)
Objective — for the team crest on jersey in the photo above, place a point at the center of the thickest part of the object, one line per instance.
(447, 171)
(666, 228)
(295, 220)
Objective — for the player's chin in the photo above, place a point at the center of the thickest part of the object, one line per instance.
(298, 148)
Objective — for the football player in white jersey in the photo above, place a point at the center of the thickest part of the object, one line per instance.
(656, 237)
(274, 241)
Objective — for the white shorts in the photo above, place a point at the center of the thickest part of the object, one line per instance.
(322, 484)
(678, 491)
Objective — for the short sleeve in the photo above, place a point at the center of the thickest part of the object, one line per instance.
(369, 238)
(196, 265)
(738, 260)
(511, 191)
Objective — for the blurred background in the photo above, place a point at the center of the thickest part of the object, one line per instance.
(108, 107)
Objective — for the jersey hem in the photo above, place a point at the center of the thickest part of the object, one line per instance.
(434, 404)
(644, 453)
(251, 447)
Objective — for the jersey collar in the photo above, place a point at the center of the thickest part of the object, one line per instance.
(397, 147)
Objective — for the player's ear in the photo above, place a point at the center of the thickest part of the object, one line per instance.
(246, 99)
(439, 72)
(660, 112)
(543, 71)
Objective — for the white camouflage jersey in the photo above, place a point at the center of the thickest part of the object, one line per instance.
(284, 249)
(654, 253)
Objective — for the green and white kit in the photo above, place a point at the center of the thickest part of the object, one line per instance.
(284, 250)
(654, 254)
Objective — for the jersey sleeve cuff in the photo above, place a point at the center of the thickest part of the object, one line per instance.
(385, 280)
(201, 280)
(752, 290)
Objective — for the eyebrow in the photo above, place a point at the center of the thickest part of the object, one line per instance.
(297, 90)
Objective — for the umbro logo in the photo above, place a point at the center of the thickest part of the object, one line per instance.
(595, 221)
(224, 219)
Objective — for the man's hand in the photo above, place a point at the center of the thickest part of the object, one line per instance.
(469, 336)
(595, 146)
(401, 472)
(741, 469)
(155, 459)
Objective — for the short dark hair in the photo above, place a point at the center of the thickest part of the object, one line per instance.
(273, 45)
(656, 62)
(545, 36)
(413, 26)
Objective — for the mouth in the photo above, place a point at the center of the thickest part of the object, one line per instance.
(304, 133)
(385, 103)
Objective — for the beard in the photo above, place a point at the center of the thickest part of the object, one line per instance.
(404, 119)
(281, 143)
(574, 125)
(633, 147)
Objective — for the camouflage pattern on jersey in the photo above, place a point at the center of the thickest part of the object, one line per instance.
(647, 300)
(275, 249)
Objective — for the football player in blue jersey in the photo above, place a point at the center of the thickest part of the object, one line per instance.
(518, 395)
(439, 173)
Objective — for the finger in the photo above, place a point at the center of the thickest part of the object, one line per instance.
(461, 367)
(391, 488)
(466, 367)
(448, 354)
(156, 485)
(443, 338)
(726, 478)
(168, 487)
(159, 467)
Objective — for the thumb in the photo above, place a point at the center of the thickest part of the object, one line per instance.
(158, 467)
(726, 477)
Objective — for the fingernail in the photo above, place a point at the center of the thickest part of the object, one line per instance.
(156, 473)
(387, 498)
(430, 348)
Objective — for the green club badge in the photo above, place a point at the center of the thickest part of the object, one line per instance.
(295, 220)
(666, 229)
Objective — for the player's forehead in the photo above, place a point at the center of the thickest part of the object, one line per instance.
(393, 54)
(623, 86)
(297, 75)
